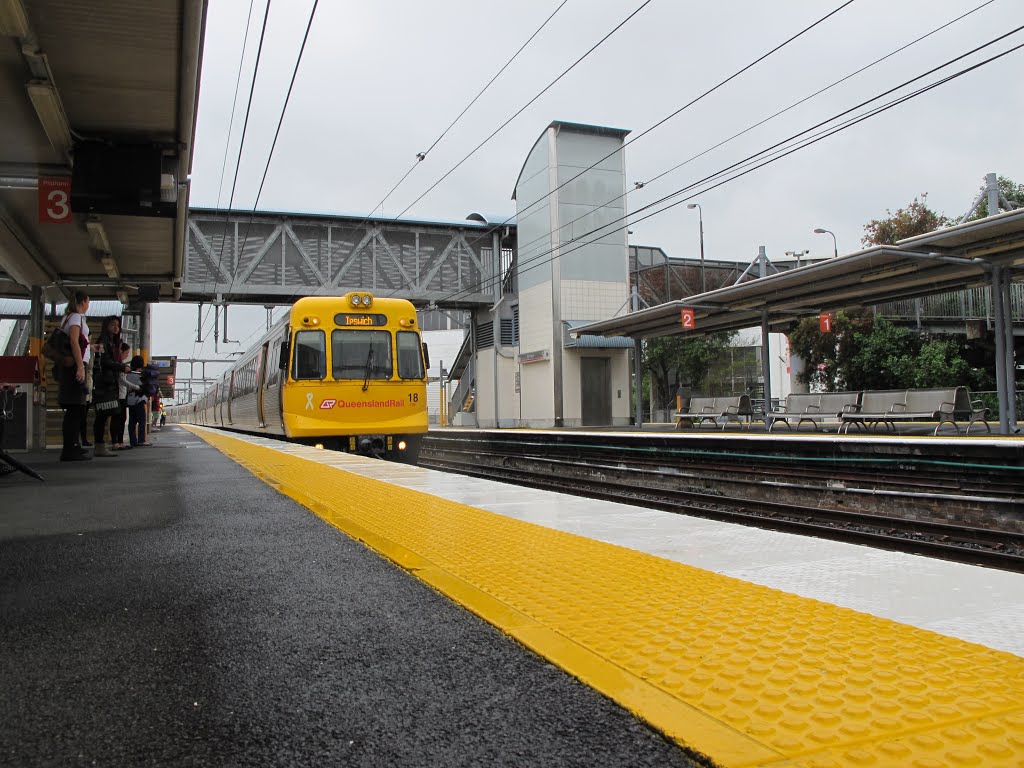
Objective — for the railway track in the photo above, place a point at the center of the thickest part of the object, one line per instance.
(646, 484)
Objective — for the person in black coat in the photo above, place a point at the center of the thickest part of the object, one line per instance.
(107, 366)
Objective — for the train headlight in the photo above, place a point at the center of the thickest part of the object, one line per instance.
(354, 299)
(319, 445)
(367, 300)
(401, 445)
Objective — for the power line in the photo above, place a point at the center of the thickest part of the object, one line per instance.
(238, 161)
(795, 104)
(754, 158)
(277, 133)
(527, 104)
(231, 125)
(658, 124)
(421, 156)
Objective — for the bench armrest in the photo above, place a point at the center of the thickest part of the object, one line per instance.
(897, 407)
(851, 408)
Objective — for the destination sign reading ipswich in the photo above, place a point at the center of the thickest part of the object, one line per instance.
(350, 319)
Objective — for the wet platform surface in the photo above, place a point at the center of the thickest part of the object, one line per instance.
(166, 608)
(744, 674)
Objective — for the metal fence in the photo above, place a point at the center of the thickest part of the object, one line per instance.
(968, 304)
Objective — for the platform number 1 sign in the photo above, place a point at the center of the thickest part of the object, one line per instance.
(688, 319)
(55, 200)
(825, 322)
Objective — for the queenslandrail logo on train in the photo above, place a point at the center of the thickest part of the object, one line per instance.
(371, 404)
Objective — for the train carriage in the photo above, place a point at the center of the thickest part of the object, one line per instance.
(348, 373)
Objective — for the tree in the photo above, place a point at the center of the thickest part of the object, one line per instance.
(1008, 188)
(681, 359)
(878, 354)
(916, 219)
(827, 355)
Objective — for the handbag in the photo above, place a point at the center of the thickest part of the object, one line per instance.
(57, 348)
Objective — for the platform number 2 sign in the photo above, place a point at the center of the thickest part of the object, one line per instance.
(55, 200)
(688, 319)
(825, 322)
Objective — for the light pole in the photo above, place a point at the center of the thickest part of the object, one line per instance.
(700, 216)
(835, 246)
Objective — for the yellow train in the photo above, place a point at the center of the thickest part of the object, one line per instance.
(348, 373)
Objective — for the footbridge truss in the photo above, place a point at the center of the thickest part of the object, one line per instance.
(273, 258)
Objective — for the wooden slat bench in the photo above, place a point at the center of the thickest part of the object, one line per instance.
(814, 407)
(701, 409)
(945, 406)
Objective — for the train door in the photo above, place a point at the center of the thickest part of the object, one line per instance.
(595, 391)
(261, 370)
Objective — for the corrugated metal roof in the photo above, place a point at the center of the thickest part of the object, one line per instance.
(592, 342)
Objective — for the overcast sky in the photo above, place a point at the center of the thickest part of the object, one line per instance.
(381, 81)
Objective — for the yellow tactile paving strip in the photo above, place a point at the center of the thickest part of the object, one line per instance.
(744, 674)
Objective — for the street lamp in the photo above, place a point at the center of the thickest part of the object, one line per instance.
(700, 215)
(835, 246)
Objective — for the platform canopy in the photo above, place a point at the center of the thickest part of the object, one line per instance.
(986, 252)
(949, 259)
(89, 77)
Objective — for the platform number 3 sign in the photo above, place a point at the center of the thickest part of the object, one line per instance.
(55, 200)
(688, 319)
(825, 322)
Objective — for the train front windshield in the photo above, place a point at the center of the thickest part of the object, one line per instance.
(361, 354)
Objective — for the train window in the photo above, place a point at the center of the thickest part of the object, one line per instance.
(410, 358)
(310, 356)
(361, 354)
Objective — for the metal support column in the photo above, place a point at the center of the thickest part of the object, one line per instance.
(37, 439)
(999, 317)
(766, 368)
(496, 327)
(638, 384)
(1010, 374)
(145, 330)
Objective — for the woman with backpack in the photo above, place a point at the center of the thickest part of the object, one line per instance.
(105, 374)
(71, 378)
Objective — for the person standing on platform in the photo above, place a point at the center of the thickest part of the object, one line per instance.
(136, 404)
(120, 418)
(71, 378)
(105, 376)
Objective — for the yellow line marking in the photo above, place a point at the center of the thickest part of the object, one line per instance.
(744, 674)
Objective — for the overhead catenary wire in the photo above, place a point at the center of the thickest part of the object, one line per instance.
(420, 156)
(277, 133)
(767, 119)
(783, 153)
(231, 125)
(241, 146)
(523, 108)
(560, 249)
(656, 125)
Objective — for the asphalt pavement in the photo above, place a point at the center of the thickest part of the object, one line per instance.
(167, 608)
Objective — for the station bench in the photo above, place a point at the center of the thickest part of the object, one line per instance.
(814, 407)
(701, 409)
(946, 406)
